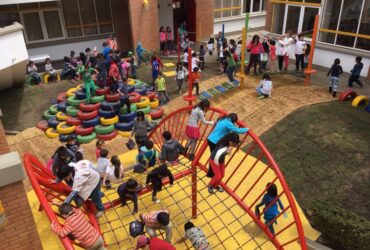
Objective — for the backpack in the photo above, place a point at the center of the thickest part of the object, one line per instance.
(136, 228)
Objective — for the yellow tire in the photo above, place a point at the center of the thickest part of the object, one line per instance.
(154, 103)
(71, 92)
(65, 129)
(126, 134)
(51, 133)
(79, 87)
(359, 99)
(45, 77)
(61, 116)
(149, 118)
(143, 103)
(109, 121)
(131, 81)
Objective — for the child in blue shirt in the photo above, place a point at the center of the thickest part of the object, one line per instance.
(356, 71)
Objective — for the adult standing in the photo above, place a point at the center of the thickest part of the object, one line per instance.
(287, 44)
(255, 48)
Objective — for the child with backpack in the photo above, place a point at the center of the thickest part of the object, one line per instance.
(334, 73)
(157, 220)
(155, 177)
(128, 191)
(140, 129)
(146, 158)
(171, 149)
(196, 237)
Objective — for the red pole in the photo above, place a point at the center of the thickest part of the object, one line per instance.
(309, 69)
(190, 98)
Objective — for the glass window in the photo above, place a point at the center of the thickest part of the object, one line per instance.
(88, 18)
(363, 43)
(218, 5)
(309, 20)
(52, 23)
(247, 6)
(32, 23)
(71, 18)
(231, 8)
(236, 3)
(256, 5)
(292, 19)
(278, 22)
(226, 4)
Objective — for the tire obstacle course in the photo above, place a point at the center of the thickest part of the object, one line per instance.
(104, 118)
(227, 218)
(357, 100)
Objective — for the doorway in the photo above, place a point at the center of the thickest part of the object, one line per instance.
(185, 10)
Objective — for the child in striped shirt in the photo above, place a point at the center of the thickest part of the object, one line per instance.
(157, 220)
(77, 227)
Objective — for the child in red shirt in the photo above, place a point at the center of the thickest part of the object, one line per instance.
(195, 79)
(154, 243)
(114, 75)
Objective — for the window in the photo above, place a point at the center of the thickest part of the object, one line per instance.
(254, 5)
(346, 23)
(227, 8)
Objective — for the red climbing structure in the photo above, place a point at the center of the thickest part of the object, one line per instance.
(248, 170)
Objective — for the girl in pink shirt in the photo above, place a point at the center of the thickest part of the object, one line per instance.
(273, 56)
(255, 48)
(162, 39)
(170, 41)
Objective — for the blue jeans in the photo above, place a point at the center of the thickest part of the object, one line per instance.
(230, 72)
(102, 79)
(259, 91)
(95, 197)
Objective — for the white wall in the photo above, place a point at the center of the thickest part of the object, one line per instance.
(234, 24)
(165, 14)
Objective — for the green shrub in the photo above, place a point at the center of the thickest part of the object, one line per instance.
(341, 226)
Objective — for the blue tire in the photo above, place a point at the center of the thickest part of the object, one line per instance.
(53, 122)
(62, 106)
(91, 123)
(124, 126)
(80, 95)
(367, 109)
(127, 117)
(64, 138)
(107, 113)
(108, 105)
(141, 90)
(131, 89)
(149, 88)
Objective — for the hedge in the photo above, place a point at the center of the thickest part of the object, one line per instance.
(341, 226)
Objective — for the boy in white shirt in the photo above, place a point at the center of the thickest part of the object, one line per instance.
(299, 52)
(103, 163)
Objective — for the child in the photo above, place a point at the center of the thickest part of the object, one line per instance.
(155, 177)
(192, 129)
(156, 220)
(287, 47)
(72, 144)
(181, 73)
(153, 243)
(68, 71)
(171, 149)
(160, 87)
(155, 68)
(102, 68)
(102, 163)
(196, 236)
(255, 48)
(61, 158)
(273, 57)
(78, 227)
(307, 50)
(132, 64)
(114, 172)
(265, 87)
(99, 146)
(86, 184)
(194, 61)
(123, 91)
(217, 160)
(211, 46)
(334, 73)
(355, 73)
(195, 78)
(147, 158)
(186, 57)
(114, 75)
(299, 52)
(72, 58)
(170, 41)
(89, 84)
(265, 55)
(50, 70)
(270, 200)
(128, 191)
(202, 53)
(140, 129)
(162, 39)
(32, 71)
(231, 66)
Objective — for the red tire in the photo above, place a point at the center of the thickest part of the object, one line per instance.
(43, 125)
(73, 121)
(134, 97)
(151, 95)
(80, 130)
(156, 113)
(103, 91)
(87, 115)
(112, 97)
(85, 107)
(348, 94)
(62, 97)
(107, 137)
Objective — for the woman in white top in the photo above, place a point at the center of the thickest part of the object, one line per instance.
(287, 45)
(181, 73)
(50, 70)
(299, 52)
(265, 87)
(192, 128)
(114, 173)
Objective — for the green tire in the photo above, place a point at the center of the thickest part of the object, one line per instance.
(73, 101)
(53, 109)
(145, 110)
(133, 108)
(138, 83)
(72, 111)
(48, 115)
(86, 138)
(102, 130)
(97, 98)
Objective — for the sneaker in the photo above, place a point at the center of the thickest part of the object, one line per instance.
(220, 189)
(134, 212)
(330, 89)
(210, 190)
(180, 92)
(334, 94)
(101, 194)
(260, 97)
(155, 200)
(99, 214)
(191, 157)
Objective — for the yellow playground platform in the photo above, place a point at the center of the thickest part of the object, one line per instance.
(226, 225)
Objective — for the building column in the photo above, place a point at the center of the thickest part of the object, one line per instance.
(205, 18)
(269, 10)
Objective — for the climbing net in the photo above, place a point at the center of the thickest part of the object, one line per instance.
(227, 218)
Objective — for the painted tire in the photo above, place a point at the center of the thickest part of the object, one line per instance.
(109, 105)
(87, 115)
(152, 95)
(62, 97)
(127, 117)
(145, 110)
(125, 134)
(112, 97)
(97, 98)
(73, 121)
(103, 91)
(86, 107)
(134, 97)
(124, 126)
(71, 111)
(130, 89)
(43, 125)
(138, 83)
(62, 106)
(46, 76)
(73, 101)
(47, 115)
(143, 103)
(80, 130)
(71, 92)
(53, 109)
(64, 138)
(107, 137)
(154, 103)
(80, 87)
(141, 90)
(61, 116)
(149, 87)
(80, 95)
(156, 113)
(51, 133)
(53, 122)
(149, 118)
(107, 113)
(65, 129)
(131, 81)
(133, 108)
(86, 138)
(91, 123)
(109, 121)
(102, 130)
